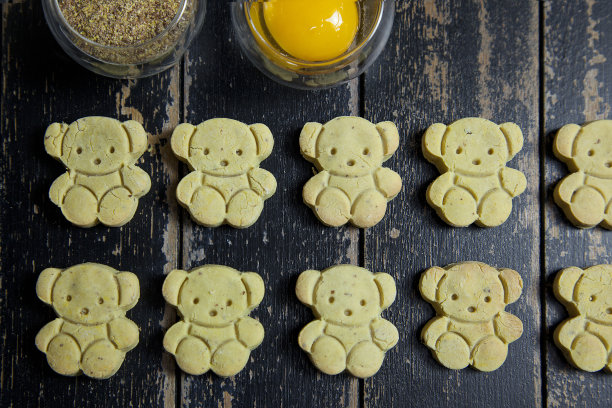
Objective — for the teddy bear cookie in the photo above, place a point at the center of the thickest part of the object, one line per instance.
(349, 333)
(475, 185)
(471, 327)
(586, 337)
(91, 334)
(226, 184)
(216, 331)
(351, 184)
(586, 195)
(102, 183)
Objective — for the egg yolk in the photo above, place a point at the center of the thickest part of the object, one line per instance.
(312, 30)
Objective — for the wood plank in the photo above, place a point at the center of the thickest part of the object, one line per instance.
(41, 85)
(578, 89)
(445, 61)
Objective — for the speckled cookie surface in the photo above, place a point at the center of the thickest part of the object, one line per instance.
(91, 334)
(349, 333)
(471, 326)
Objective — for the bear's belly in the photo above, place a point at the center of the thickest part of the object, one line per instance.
(352, 186)
(478, 186)
(85, 335)
(213, 336)
(602, 331)
(472, 332)
(227, 186)
(349, 336)
(604, 186)
(99, 185)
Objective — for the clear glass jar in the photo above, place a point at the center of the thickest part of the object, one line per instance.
(375, 23)
(133, 61)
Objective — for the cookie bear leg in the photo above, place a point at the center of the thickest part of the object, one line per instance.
(230, 358)
(587, 207)
(494, 208)
(207, 207)
(64, 355)
(368, 209)
(101, 360)
(458, 208)
(193, 356)
(489, 354)
(117, 207)
(452, 351)
(80, 206)
(588, 353)
(328, 355)
(333, 207)
(244, 209)
(364, 360)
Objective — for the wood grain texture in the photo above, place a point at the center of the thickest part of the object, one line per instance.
(446, 61)
(578, 89)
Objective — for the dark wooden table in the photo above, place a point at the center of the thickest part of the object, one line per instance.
(539, 64)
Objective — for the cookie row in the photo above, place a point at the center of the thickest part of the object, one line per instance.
(226, 184)
(92, 334)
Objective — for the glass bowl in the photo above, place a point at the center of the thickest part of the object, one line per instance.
(133, 61)
(375, 22)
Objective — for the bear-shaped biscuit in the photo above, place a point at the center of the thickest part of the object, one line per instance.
(226, 184)
(216, 332)
(351, 184)
(586, 195)
(91, 334)
(475, 185)
(586, 337)
(103, 183)
(349, 333)
(471, 326)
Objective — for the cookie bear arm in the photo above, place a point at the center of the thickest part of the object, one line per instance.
(187, 186)
(59, 188)
(433, 330)
(508, 327)
(249, 332)
(566, 187)
(388, 182)
(314, 186)
(262, 182)
(438, 189)
(47, 333)
(123, 333)
(136, 180)
(175, 335)
(310, 333)
(567, 331)
(384, 333)
(513, 181)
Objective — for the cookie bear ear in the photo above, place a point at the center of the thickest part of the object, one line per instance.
(255, 287)
(386, 287)
(129, 290)
(513, 285)
(264, 139)
(45, 283)
(390, 137)
(308, 139)
(137, 136)
(180, 139)
(428, 284)
(514, 137)
(54, 135)
(565, 283)
(305, 286)
(432, 141)
(172, 286)
(564, 141)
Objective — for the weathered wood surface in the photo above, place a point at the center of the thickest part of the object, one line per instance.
(445, 60)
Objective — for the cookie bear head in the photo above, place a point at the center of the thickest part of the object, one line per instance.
(471, 291)
(213, 295)
(346, 295)
(587, 292)
(349, 146)
(88, 293)
(586, 148)
(222, 147)
(96, 145)
(472, 146)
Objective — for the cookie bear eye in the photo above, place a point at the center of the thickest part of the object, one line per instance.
(454, 296)
(228, 303)
(609, 164)
(366, 151)
(100, 301)
(491, 151)
(362, 302)
(487, 299)
(332, 299)
(593, 298)
(196, 301)
(239, 152)
(111, 150)
(79, 150)
(591, 152)
(459, 150)
(68, 298)
(609, 310)
(333, 151)
(206, 151)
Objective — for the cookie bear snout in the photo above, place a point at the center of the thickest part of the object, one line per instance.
(97, 161)
(348, 312)
(471, 309)
(223, 163)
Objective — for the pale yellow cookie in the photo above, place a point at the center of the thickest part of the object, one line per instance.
(103, 183)
(586, 195)
(475, 185)
(216, 332)
(349, 333)
(586, 337)
(226, 184)
(351, 184)
(471, 326)
(91, 334)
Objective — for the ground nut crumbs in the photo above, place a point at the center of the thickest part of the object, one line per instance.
(119, 22)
